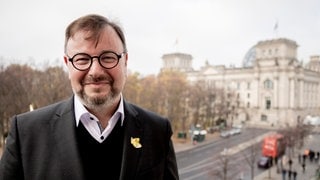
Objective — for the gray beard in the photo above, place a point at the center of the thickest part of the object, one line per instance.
(97, 103)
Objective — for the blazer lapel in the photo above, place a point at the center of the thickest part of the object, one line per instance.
(131, 154)
(64, 131)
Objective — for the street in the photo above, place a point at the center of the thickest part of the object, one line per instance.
(206, 162)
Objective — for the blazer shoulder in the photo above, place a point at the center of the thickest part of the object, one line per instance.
(47, 112)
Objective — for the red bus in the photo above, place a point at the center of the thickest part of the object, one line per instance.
(273, 145)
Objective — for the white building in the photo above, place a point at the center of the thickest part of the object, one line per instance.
(177, 61)
(273, 87)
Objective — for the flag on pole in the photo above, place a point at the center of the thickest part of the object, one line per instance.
(275, 28)
(176, 44)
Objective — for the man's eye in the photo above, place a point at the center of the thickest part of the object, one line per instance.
(108, 59)
(82, 60)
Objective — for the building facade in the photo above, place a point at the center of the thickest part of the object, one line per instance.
(272, 87)
(177, 61)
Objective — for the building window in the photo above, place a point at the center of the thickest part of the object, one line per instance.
(248, 105)
(264, 117)
(268, 84)
(248, 85)
(248, 95)
(268, 103)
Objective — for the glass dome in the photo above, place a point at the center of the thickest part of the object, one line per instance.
(249, 58)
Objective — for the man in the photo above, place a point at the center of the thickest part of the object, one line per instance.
(96, 133)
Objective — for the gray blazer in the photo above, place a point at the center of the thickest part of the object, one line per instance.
(41, 145)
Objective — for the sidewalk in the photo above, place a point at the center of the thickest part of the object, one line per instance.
(310, 168)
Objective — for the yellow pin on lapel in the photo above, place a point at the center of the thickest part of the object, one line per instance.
(136, 142)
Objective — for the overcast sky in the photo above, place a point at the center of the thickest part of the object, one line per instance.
(217, 31)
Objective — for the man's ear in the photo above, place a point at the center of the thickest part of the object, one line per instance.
(126, 58)
(66, 60)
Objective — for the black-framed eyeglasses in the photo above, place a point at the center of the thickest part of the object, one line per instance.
(107, 59)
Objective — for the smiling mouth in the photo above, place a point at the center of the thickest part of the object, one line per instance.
(96, 82)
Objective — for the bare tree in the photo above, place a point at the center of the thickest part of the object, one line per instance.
(198, 94)
(226, 169)
(16, 82)
(171, 88)
(51, 85)
(133, 89)
(253, 154)
(22, 86)
(294, 137)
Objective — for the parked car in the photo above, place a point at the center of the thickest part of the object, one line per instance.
(235, 131)
(224, 134)
(312, 120)
(264, 162)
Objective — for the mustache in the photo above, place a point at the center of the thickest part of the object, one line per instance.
(92, 79)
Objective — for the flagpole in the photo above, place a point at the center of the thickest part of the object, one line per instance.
(176, 45)
(275, 29)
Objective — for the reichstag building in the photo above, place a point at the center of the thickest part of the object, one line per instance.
(272, 87)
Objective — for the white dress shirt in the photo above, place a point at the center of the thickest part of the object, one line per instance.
(91, 122)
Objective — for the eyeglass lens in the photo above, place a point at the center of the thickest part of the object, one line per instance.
(107, 60)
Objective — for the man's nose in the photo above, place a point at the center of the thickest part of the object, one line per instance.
(95, 66)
